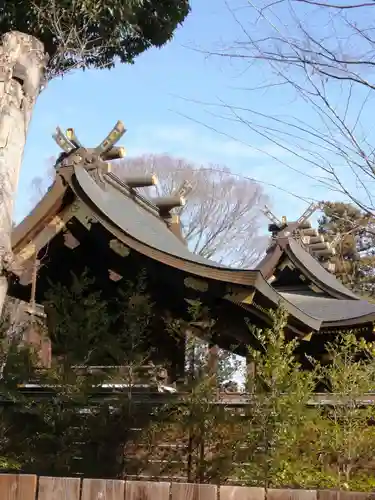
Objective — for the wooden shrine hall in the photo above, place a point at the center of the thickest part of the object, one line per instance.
(90, 218)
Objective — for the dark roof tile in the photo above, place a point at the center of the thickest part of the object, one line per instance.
(135, 220)
(316, 270)
(329, 309)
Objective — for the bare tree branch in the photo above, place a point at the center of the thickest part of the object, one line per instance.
(337, 6)
(221, 219)
(324, 54)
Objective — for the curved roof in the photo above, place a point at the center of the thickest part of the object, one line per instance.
(315, 271)
(150, 230)
(136, 220)
(48, 205)
(330, 310)
(139, 225)
(146, 232)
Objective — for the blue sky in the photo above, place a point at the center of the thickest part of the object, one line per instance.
(154, 98)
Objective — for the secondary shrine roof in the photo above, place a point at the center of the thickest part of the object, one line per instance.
(331, 310)
(304, 259)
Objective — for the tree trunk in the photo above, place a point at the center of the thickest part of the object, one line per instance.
(22, 65)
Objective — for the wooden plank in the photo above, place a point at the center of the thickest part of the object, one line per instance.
(241, 493)
(103, 489)
(344, 495)
(356, 495)
(16, 487)
(327, 495)
(59, 488)
(291, 494)
(185, 491)
(146, 490)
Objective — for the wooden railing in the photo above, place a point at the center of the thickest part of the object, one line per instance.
(160, 394)
(29, 487)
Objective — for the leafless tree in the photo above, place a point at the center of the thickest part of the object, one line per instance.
(41, 183)
(221, 219)
(316, 57)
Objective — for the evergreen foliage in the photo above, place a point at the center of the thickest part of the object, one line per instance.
(291, 443)
(96, 33)
(346, 434)
(74, 429)
(18, 362)
(206, 434)
(277, 440)
(355, 251)
(277, 417)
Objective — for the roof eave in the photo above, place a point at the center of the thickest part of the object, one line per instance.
(266, 290)
(226, 275)
(47, 207)
(319, 283)
(350, 322)
(270, 261)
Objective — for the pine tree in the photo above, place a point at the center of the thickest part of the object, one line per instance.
(355, 251)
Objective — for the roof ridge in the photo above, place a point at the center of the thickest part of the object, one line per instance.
(124, 188)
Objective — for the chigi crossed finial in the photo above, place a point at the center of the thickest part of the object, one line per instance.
(302, 223)
(74, 153)
(301, 229)
(106, 150)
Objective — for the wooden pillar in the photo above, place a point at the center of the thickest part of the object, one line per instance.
(35, 335)
(250, 374)
(213, 361)
(178, 370)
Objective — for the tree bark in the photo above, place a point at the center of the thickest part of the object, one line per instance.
(22, 66)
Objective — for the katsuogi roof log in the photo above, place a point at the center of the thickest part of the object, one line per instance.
(168, 203)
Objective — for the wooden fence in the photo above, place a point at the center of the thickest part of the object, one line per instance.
(29, 487)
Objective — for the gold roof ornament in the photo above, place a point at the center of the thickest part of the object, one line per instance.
(119, 248)
(73, 139)
(196, 284)
(106, 150)
(307, 337)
